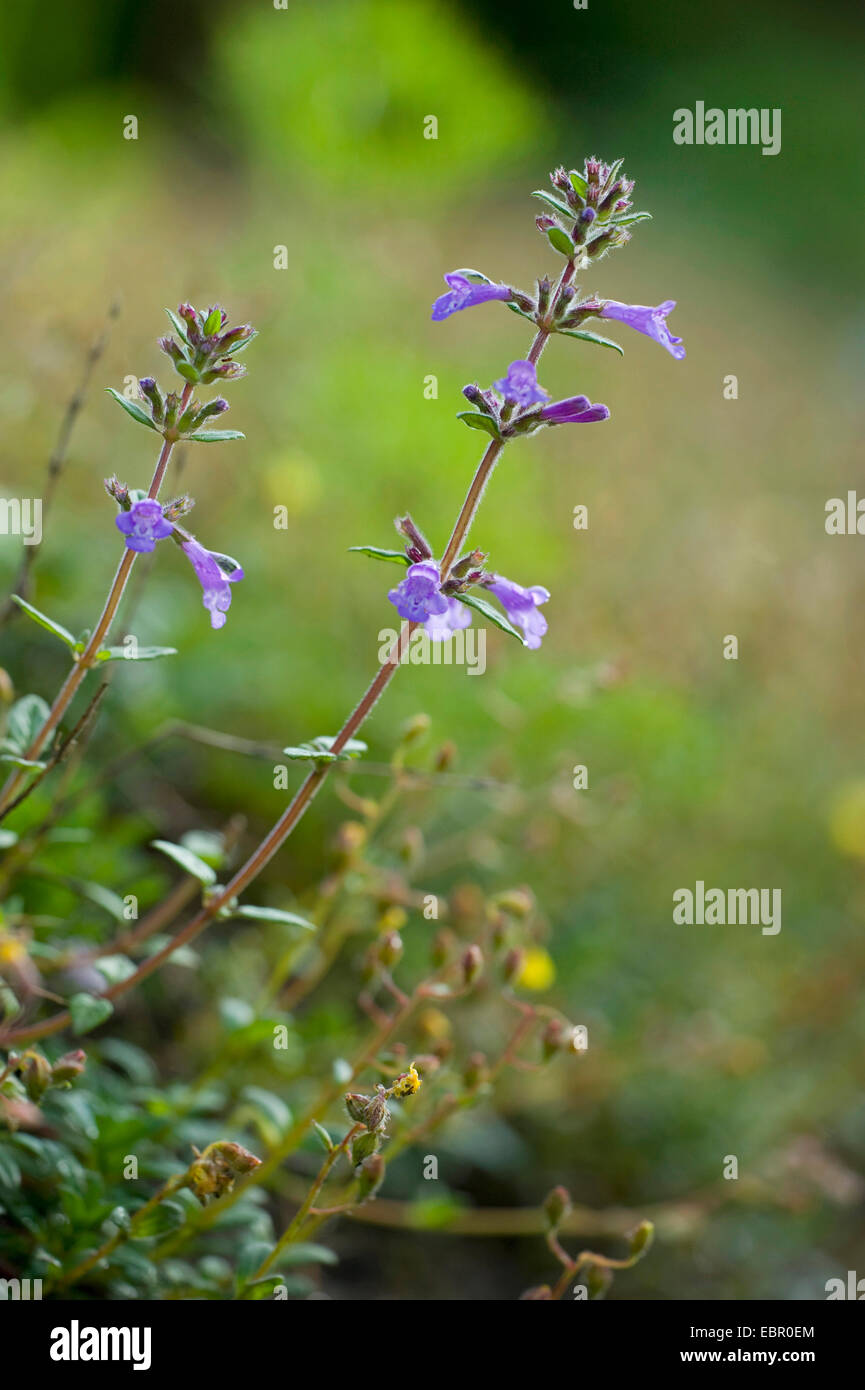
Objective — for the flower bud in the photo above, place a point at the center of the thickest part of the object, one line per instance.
(557, 1205)
(390, 949)
(443, 944)
(418, 547)
(356, 1104)
(641, 1238)
(598, 1280)
(70, 1066)
(362, 1146)
(513, 964)
(377, 1113)
(540, 1293)
(471, 963)
(235, 1157)
(519, 902)
(35, 1073)
(445, 756)
(370, 1177)
(229, 340)
(416, 728)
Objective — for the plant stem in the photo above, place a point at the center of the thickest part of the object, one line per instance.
(88, 657)
(300, 1216)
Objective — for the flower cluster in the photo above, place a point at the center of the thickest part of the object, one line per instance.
(206, 350)
(204, 354)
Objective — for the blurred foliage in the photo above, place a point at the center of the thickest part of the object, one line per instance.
(303, 128)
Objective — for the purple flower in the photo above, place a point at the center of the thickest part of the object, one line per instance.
(521, 385)
(652, 322)
(440, 626)
(463, 294)
(214, 579)
(576, 410)
(417, 597)
(521, 606)
(143, 525)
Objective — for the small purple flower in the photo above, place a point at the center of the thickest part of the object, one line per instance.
(417, 597)
(214, 580)
(576, 410)
(441, 626)
(521, 385)
(652, 322)
(521, 606)
(143, 525)
(464, 294)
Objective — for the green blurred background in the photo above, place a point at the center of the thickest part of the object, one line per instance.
(304, 128)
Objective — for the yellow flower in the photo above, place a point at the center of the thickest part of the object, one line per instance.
(407, 1083)
(538, 972)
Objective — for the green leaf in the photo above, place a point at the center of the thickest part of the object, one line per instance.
(482, 606)
(522, 312)
(318, 750)
(304, 1253)
(592, 338)
(626, 217)
(323, 1136)
(614, 173)
(23, 723)
(105, 898)
(133, 653)
(215, 436)
(213, 321)
(187, 860)
(560, 241)
(120, 1218)
(44, 621)
(272, 914)
(178, 325)
(270, 1112)
(165, 1217)
(88, 1011)
(188, 372)
(375, 552)
(115, 968)
(476, 421)
(557, 204)
(251, 1257)
(10, 1173)
(15, 761)
(139, 415)
(579, 182)
(209, 845)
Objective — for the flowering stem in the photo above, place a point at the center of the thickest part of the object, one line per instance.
(88, 657)
(293, 1229)
(308, 789)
